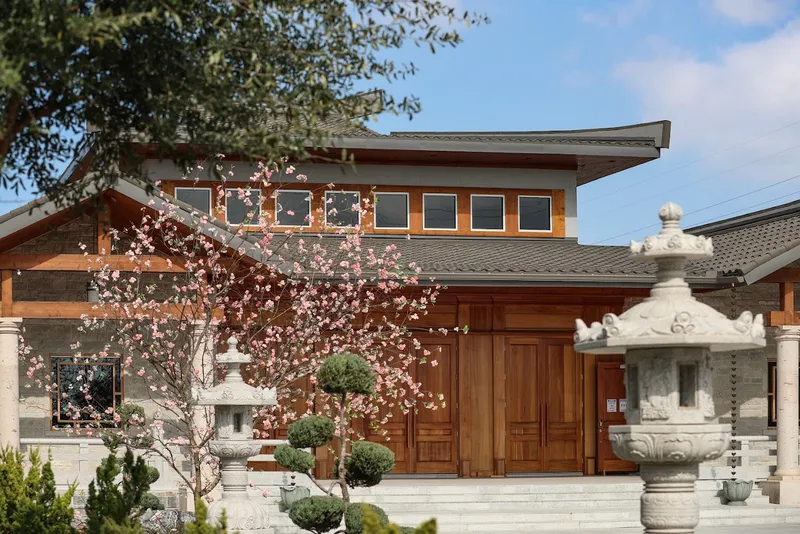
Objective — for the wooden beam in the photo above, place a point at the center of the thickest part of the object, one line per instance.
(783, 318)
(6, 281)
(104, 228)
(787, 296)
(787, 274)
(81, 262)
(77, 310)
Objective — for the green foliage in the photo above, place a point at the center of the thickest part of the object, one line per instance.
(200, 525)
(152, 474)
(346, 373)
(150, 502)
(367, 463)
(294, 459)
(260, 79)
(28, 501)
(311, 431)
(317, 514)
(354, 518)
(374, 524)
(113, 504)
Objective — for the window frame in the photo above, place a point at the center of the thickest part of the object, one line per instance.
(260, 205)
(375, 210)
(471, 213)
(55, 396)
(549, 214)
(325, 208)
(206, 189)
(772, 393)
(455, 197)
(310, 208)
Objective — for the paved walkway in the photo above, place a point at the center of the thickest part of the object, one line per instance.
(750, 529)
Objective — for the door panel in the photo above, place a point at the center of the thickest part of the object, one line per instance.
(610, 397)
(563, 439)
(544, 432)
(524, 409)
(434, 431)
(425, 442)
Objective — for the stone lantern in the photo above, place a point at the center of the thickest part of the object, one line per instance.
(667, 341)
(233, 401)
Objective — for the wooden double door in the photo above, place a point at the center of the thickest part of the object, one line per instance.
(543, 423)
(425, 441)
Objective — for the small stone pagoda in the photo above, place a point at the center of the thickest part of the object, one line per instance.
(233, 401)
(667, 341)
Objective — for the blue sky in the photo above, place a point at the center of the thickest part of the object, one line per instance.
(726, 72)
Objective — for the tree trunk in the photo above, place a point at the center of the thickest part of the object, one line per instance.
(343, 450)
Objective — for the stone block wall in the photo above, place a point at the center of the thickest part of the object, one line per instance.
(65, 239)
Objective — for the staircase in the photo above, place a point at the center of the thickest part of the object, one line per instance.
(541, 505)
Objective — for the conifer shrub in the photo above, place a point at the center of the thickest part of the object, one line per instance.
(28, 500)
(354, 517)
(346, 373)
(311, 431)
(367, 463)
(113, 504)
(373, 525)
(200, 524)
(318, 514)
(294, 459)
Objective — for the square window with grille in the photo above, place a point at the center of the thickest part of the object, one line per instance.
(88, 391)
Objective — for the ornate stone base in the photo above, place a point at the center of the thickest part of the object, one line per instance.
(783, 490)
(245, 516)
(669, 456)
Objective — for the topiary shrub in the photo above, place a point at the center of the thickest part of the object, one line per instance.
(346, 373)
(294, 459)
(311, 431)
(150, 502)
(317, 514)
(28, 500)
(373, 525)
(354, 518)
(367, 463)
(112, 503)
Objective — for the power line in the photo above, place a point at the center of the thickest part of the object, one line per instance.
(748, 208)
(707, 177)
(795, 177)
(702, 158)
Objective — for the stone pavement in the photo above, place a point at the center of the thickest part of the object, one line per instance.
(747, 529)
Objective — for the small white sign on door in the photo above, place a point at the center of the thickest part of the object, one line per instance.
(623, 405)
(611, 405)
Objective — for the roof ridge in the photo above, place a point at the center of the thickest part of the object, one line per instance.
(755, 218)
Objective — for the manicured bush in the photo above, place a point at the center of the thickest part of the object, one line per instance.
(317, 514)
(28, 500)
(354, 518)
(367, 463)
(150, 502)
(294, 459)
(311, 431)
(346, 373)
(373, 525)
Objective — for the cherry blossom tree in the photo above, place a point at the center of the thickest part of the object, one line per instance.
(292, 298)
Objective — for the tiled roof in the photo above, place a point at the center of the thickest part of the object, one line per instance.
(522, 137)
(748, 241)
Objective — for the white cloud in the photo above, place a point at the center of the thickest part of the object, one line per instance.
(616, 16)
(747, 90)
(752, 12)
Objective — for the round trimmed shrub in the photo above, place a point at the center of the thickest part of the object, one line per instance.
(317, 514)
(354, 519)
(294, 459)
(152, 474)
(346, 373)
(311, 431)
(367, 463)
(150, 502)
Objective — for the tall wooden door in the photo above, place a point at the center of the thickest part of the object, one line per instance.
(425, 441)
(543, 409)
(611, 406)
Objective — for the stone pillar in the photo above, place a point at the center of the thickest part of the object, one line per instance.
(9, 381)
(784, 486)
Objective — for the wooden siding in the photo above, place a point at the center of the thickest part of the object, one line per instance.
(415, 195)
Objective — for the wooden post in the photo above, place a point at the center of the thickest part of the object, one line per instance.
(787, 296)
(6, 291)
(104, 228)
